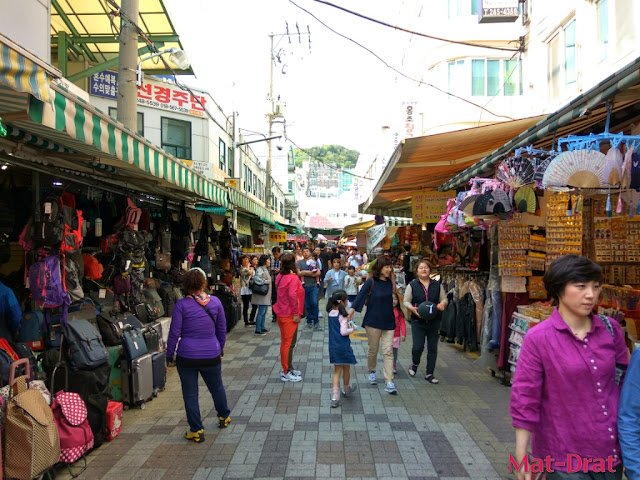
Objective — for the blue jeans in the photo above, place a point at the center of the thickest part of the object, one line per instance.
(260, 318)
(212, 377)
(311, 304)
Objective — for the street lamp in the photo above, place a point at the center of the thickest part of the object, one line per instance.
(177, 56)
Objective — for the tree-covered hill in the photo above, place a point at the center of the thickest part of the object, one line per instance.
(332, 154)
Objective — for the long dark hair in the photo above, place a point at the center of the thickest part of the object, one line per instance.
(381, 262)
(397, 307)
(335, 300)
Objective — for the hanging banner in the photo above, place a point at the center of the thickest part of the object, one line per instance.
(375, 235)
(428, 207)
(278, 237)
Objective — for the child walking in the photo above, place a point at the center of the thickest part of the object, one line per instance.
(351, 284)
(340, 351)
(401, 329)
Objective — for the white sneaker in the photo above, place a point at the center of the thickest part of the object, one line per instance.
(372, 378)
(297, 373)
(289, 377)
(390, 388)
(320, 315)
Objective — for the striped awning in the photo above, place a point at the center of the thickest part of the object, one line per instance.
(397, 221)
(71, 122)
(22, 71)
(247, 204)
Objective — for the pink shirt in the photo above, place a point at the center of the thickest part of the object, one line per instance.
(564, 391)
(290, 296)
(401, 326)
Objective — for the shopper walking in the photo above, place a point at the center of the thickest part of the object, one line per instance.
(334, 279)
(246, 274)
(351, 283)
(400, 333)
(275, 268)
(310, 284)
(288, 308)
(199, 323)
(262, 277)
(565, 392)
(379, 320)
(424, 290)
(340, 352)
(254, 308)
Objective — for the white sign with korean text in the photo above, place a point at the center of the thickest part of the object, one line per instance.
(203, 168)
(375, 235)
(172, 98)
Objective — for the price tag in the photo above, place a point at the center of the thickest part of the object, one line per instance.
(47, 208)
(102, 293)
(199, 257)
(127, 264)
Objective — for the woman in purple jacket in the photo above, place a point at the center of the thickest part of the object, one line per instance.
(564, 398)
(199, 323)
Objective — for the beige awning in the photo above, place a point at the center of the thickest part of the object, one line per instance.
(425, 163)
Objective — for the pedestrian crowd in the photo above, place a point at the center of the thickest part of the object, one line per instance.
(575, 393)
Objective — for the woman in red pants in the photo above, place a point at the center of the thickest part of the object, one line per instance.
(288, 309)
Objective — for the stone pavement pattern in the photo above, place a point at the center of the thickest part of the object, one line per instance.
(457, 429)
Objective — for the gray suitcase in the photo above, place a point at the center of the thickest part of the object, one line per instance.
(165, 323)
(137, 380)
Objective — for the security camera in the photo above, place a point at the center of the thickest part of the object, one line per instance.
(279, 146)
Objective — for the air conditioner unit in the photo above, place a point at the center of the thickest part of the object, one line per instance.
(278, 108)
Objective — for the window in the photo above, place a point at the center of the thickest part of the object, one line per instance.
(562, 61)
(113, 113)
(223, 156)
(458, 8)
(281, 209)
(496, 77)
(455, 76)
(254, 184)
(230, 157)
(176, 137)
(603, 27)
(290, 186)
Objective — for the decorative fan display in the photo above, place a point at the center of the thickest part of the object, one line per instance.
(467, 204)
(515, 172)
(525, 200)
(577, 168)
(541, 168)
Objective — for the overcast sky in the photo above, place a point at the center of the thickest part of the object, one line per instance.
(336, 92)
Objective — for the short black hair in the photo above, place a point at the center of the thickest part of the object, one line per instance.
(570, 269)
(407, 247)
(262, 261)
(351, 267)
(275, 249)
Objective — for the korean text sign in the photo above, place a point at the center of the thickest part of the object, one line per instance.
(428, 207)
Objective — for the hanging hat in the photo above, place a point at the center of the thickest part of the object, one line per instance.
(427, 310)
(525, 200)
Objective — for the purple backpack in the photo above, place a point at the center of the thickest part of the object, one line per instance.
(46, 283)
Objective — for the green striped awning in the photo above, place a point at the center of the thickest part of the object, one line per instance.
(72, 122)
(21, 73)
(35, 140)
(397, 221)
(247, 204)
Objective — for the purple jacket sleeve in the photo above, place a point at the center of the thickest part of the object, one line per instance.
(175, 331)
(221, 320)
(526, 391)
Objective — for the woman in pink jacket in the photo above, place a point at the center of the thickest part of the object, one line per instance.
(288, 309)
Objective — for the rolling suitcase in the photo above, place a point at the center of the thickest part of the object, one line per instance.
(116, 357)
(137, 381)
(159, 361)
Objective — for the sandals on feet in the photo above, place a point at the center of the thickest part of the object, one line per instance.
(431, 379)
(413, 369)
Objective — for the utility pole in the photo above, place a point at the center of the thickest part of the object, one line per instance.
(267, 183)
(127, 65)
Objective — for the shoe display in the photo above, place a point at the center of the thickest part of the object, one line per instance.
(223, 422)
(372, 378)
(290, 377)
(197, 437)
(390, 387)
(352, 388)
(335, 403)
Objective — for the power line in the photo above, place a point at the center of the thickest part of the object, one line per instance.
(395, 27)
(420, 82)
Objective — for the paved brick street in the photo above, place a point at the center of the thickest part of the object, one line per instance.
(457, 429)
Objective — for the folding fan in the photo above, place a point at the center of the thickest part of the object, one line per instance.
(612, 172)
(541, 168)
(525, 200)
(576, 168)
(467, 204)
(515, 172)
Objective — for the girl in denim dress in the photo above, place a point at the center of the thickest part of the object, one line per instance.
(340, 351)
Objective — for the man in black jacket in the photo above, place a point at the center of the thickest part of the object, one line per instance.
(406, 264)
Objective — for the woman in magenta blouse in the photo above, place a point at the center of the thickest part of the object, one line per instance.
(565, 394)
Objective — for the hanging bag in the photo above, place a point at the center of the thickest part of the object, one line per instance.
(259, 285)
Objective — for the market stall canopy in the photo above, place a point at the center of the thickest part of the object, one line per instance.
(89, 29)
(425, 163)
(585, 114)
(354, 228)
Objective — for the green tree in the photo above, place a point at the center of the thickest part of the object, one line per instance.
(332, 154)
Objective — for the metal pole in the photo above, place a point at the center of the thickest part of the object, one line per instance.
(267, 192)
(128, 55)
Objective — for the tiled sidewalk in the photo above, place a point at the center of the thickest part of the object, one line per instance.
(457, 429)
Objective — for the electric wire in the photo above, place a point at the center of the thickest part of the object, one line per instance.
(420, 82)
(432, 37)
